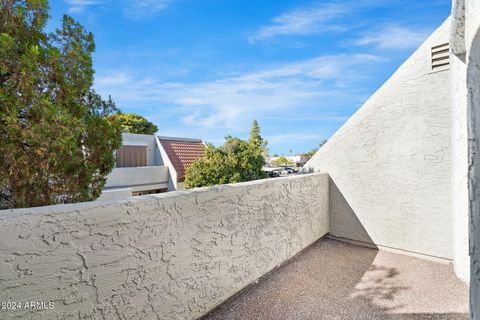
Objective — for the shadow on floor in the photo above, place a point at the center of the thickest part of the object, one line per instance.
(336, 280)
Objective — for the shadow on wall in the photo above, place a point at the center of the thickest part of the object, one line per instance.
(344, 223)
(329, 280)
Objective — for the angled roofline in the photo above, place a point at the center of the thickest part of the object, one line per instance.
(162, 141)
(172, 172)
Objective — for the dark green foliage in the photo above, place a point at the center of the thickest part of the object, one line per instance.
(235, 161)
(133, 123)
(56, 145)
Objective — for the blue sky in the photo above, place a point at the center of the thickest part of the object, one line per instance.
(207, 68)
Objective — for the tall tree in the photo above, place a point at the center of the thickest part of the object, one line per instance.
(56, 145)
(133, 123)
(256, 139)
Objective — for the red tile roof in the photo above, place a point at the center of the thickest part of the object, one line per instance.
(182, 152)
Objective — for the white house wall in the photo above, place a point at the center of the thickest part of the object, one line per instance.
(458, 91)
(147, 140)
(390, 164)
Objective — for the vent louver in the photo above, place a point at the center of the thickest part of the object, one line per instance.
(440, 57)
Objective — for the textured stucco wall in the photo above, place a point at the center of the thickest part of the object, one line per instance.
(390, 163)
(458, 92)
(168, 256)
(472, 45)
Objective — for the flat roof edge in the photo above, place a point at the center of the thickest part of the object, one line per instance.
(179, 139)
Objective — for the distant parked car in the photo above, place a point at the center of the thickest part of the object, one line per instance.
(287, 171)
(273, 174)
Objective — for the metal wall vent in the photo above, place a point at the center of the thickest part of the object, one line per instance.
(440, 57)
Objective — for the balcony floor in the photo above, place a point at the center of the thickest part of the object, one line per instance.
(336, 280)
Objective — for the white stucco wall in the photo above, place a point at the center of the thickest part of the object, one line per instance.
(115, 194)
(458, 94)
(390, 164)
(472, 46)
(169, 256)
(459, 168)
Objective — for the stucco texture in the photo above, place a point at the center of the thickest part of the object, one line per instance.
(168, 256)
(472, 45)
(459, 168)
(458, 92)
(390, 164)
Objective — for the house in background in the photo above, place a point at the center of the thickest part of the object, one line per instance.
(178, 154)
(298, 160)
(295, 161)
(147, 164)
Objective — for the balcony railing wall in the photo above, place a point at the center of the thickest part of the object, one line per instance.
(170, 256)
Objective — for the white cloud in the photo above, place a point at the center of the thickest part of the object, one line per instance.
(77, 6)
(304, 21)
(113, 80)
(138, 9)
(134, 9)
(232, 102)
(335, 16)
(393, 37)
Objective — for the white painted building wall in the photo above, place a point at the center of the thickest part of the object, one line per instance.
(137, 178)
(121, 182)
(458, 94)
(390, 164)
(148, 140)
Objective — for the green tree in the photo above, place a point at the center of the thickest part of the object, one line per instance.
(280, 160)
(235, 161)
(56, 145)
(133, 123)
(256, 139)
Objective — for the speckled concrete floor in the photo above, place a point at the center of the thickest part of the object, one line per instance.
(335, 280)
